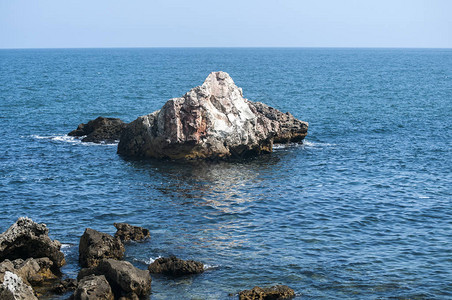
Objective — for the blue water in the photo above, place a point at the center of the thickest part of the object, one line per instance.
(362, 210)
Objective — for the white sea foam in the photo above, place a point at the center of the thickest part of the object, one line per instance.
(64, 246)
(210, 267)
(306, 144)
(151, 260)
(317, 144)
(70, 139)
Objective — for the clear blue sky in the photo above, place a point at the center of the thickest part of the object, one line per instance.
(227, 23)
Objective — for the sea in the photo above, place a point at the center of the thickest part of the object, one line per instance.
(361, 210)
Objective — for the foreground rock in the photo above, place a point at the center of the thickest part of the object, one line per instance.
(93, 287)
(125, 280)
(174, 266)
(32, 271)
(100, 130)
(210, 121)
(27, 239)
(13, 288)
(95, 246)
(126, 232)
(271, 293)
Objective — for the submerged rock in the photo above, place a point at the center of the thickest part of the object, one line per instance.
(125, 280)
(92, 288)
(100, 130)
(271, 293)
(14, 288)
(95, 246)
(210, 121)
(27, 239)
(175, 267)
(126, 232)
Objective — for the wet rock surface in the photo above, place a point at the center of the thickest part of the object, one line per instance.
(27, 239)
(210, 121)
(95, 246)
(127, 232)
(100, 130)
(125, 280)
(93, 287)
(174, 266)
(270, 293)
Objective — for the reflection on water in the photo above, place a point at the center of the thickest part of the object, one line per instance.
(220, 185)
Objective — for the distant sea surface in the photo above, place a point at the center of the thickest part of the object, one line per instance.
(361, 210)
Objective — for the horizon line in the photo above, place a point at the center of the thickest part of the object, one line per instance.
(221, 47)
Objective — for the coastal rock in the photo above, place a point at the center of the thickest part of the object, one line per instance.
(32, 271)
(125, 280)
(271, 293)
(13, 288)
(95, 246)
(27, 239)
(210, 121)
(93, 287)
(175, 267)
(126, 232)
(65, 286)
(100, 130)
(284, 127)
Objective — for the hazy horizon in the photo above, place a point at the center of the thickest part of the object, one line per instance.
(50, 24)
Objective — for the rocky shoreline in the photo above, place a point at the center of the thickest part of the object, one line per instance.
(30, 266)
(211, 121)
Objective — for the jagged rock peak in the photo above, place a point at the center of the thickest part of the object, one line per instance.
(210, 121)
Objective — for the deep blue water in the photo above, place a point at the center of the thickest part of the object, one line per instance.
(361, 211)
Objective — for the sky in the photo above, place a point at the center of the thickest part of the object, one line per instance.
(227, 23)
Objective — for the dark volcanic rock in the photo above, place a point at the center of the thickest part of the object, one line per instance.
(175, 267)
(100, 130)
(95, 246)
(271, 293)
(286, 128)
(126, 232)
(27, 239)
(125, 280)
(210, 121)
(93, 287)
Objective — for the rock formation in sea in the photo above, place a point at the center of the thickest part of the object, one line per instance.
(100, 130)
(270, 293)
(126, 281)
(174, 266)
(33, 272)
(93, 288)
(95, 246)
(213, 120)
(27, 239)
(126, 232)
(29, 260)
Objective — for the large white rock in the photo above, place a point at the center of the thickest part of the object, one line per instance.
(210, 121)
